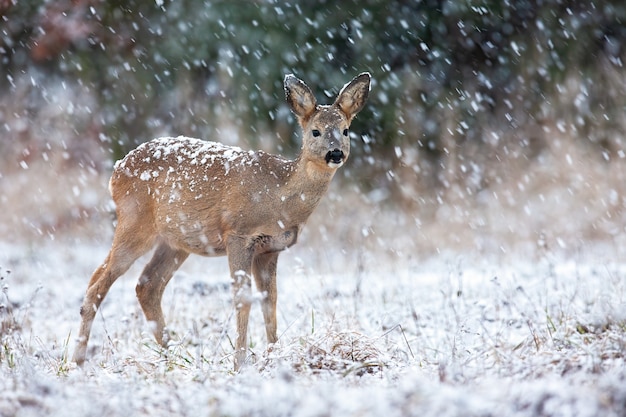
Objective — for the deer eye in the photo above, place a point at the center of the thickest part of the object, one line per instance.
(315, 132)
(345, 132)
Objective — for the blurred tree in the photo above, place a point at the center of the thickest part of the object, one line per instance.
(457, 83)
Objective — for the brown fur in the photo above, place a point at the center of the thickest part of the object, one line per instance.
(186, 195)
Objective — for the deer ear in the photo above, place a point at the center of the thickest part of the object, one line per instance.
(299, 97)
(353, 95)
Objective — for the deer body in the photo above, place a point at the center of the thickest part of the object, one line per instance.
(186, 195)
(192, 188)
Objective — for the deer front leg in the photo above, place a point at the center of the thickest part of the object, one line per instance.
(240, 255)
(264, 271)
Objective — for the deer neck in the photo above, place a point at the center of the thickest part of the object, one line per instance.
(311, 174)
(305, 184)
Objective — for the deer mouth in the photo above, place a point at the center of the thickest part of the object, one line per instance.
(335, 158)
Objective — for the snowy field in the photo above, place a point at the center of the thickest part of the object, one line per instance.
(469, 260)
(511, 306)
(362, 331)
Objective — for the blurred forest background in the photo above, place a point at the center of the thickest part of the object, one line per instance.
(489, 123)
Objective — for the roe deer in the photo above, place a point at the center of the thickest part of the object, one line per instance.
(186, 195)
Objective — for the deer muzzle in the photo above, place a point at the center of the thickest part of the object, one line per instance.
(335, 157)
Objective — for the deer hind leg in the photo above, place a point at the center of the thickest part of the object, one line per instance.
(152, 282)
(264, 271)
(127, 247)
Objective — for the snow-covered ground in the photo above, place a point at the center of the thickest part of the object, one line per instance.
(511, 305)
(361, 333)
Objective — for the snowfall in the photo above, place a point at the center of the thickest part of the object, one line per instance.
(377, 315)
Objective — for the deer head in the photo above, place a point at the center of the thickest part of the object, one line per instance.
(325, 128)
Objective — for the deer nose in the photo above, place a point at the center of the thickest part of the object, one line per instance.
(335, 156)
